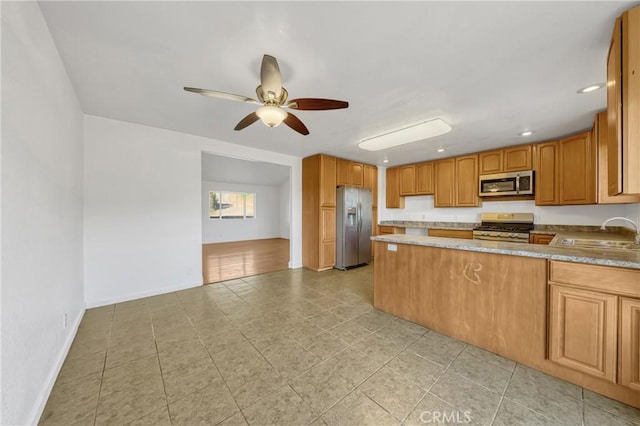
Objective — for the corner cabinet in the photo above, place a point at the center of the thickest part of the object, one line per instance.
(623, 105)
(318, 212)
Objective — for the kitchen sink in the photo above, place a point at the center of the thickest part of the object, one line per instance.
(599, 244)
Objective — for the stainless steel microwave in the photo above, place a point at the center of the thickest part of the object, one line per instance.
(500, 184)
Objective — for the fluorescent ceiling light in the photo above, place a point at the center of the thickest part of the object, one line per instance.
(413, 133)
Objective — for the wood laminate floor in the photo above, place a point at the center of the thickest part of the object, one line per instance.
(226, 261)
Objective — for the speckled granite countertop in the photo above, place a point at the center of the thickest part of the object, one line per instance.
(608, 257)
(538, 229)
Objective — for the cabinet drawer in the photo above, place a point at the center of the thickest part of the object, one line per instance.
(607, 279)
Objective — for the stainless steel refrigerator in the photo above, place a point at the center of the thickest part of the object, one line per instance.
(353, 226)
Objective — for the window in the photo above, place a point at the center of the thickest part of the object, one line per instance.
(232, 205)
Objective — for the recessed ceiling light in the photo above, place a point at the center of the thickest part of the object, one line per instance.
(591, 88)
(526, 133)
(413, 133)
(440, 149)
(385, 161)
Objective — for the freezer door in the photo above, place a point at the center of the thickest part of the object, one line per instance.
(347, 227)
(365, 207)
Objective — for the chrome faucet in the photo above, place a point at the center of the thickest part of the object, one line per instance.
(637, 239)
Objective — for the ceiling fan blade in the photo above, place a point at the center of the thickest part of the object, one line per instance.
(316, 104)
(247, 121)
(270, 78)
(295, 123)
(221, 95)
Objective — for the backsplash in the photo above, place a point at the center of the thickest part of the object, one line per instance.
(420, 208)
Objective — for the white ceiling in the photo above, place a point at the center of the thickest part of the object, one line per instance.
(231, 170)
(490, 69)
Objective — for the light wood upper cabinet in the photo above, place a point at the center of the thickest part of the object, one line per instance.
(491, 162)
(408, 180)
(444, 175)
(566, 171)
(393, 198)
(512, 159)
(327, 183)
(343, 172)
(547, 187)
(518, 158)
(424, 178)
(630, 343)
(583, 331)
(623, 105)
(357, 174)
(466, 187)
(371, 182)
(349, 173)
(600, 137)
(577, 159)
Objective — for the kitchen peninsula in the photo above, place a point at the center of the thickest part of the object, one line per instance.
(572, 313)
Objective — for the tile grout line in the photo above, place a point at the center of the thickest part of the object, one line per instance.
(104, 366)
(504, 392)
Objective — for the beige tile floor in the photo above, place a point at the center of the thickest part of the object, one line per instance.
(294, 348)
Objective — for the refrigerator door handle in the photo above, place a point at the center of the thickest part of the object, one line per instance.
(359, 215)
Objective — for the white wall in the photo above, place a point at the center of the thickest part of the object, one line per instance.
(632, 211)
(143, 208)
(285, 209)
(41, 213)
(266, 223)
(421, 208)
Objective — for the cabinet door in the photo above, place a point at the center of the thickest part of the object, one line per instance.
(630, 343)
(518, 158)
(466, 187)
(327, 181)
(357, 174)
(547, 186)
(451, 233)
(577, 170)
(424, 178)
(393, 199)
(491, 162)
(327, 255)
(343, 172)
(631, 101)
(371, 181)
(614, 113)
(408, 180)
(444, 176)
(540, 238)
(583, 331)
(328, 221)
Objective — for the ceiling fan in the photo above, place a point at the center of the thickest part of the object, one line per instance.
(272, 98)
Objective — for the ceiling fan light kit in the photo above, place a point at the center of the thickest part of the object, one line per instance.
(272, 98)
(271, 115)
(416, 132)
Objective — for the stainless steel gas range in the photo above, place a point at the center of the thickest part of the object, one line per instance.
(509, 227)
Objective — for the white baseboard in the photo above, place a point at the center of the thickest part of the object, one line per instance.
(141, 294)
(38, 408)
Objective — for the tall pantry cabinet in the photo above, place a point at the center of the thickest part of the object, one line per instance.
(318, 212)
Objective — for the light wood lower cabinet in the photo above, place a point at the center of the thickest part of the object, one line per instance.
(451, 233)
(630, 343)
(540, 238)
(583, 331)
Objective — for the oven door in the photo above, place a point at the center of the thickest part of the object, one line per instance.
(499, 184)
